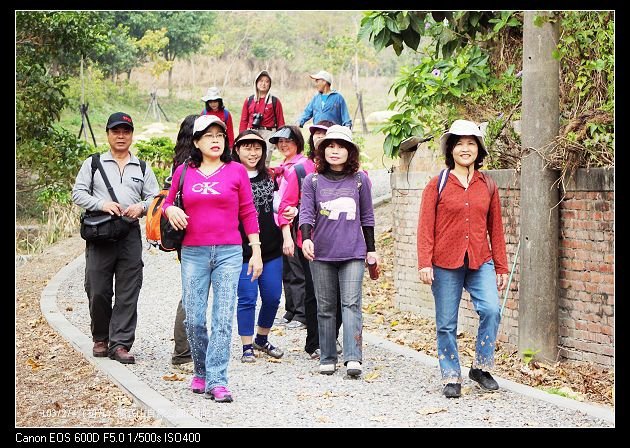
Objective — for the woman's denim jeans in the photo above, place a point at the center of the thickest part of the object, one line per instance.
(447, 292)
(202, 266)
(346, 277)
(270, 284)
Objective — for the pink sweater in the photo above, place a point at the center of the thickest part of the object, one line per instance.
(291, 196)
(215, 204)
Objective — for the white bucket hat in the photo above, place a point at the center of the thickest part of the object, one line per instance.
(337, 132)
(463, 127)
(213, 93)
(322, 74)
(202, 123)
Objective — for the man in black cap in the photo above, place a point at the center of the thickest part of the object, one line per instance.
(134, 185)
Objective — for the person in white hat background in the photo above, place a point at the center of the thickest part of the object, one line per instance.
(453, 253)
(217, 199)
(251, 151)
(327, 104)
(337, 224)
(214, 106)
(262, 111)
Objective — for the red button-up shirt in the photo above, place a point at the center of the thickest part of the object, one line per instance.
(461, 222)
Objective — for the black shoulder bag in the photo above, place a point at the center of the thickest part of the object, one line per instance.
(99, 226)
(171, 238)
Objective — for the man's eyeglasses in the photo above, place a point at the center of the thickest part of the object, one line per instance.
(218, 136)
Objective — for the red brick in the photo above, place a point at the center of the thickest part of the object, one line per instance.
(581, 325)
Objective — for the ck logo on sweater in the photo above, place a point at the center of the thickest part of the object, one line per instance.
(205, 188)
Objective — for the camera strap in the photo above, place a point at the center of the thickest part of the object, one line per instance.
(274, 100)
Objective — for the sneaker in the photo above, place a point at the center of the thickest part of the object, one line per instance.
(296, 324)
(272, 351)
(339, 348)
(483, 378)
(220, 394)
(248, 356)
(198, 385)
(278, 321)
(316, 354)
(452, 390)
(353, 368)
(327, 369)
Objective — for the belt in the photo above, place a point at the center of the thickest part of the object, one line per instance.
(265, 128)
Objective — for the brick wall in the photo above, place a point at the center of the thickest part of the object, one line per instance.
(586, 296)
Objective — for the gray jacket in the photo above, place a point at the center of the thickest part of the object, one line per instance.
(130, 186)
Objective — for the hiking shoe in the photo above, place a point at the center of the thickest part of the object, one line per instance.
(99, 350)
(452, 390)
(339, 347)
(123, 356)
(220, 394)
(316, 354)
(198, 385)
(296, 324)
(483, 378)
(248, 356)
(353, 368)
(272, 351)
(327, 369)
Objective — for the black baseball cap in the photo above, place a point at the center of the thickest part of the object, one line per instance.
(119, 118)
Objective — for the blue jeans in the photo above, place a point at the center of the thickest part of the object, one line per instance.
(270, 284)
(347, 278)
(220, 267)
(447, 290)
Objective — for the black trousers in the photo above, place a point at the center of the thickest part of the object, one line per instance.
(294, 287)
(104, 262)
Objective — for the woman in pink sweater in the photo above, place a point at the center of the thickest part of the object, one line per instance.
(217, 196)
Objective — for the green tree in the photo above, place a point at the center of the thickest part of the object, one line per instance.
(492, 84)
(121, 55)
(45, 156)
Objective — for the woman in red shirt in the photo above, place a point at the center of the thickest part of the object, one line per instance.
(453, 253)
(214, 106)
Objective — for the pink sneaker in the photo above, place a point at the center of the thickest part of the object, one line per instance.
(220, 394)
(198, 385)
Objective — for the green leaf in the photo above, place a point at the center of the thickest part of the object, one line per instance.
(378, 24)
(392, 25)
(411, 39)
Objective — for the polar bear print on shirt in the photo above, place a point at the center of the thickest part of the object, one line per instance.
(336, 206)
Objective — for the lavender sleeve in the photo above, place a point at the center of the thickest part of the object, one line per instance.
(365, 202)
